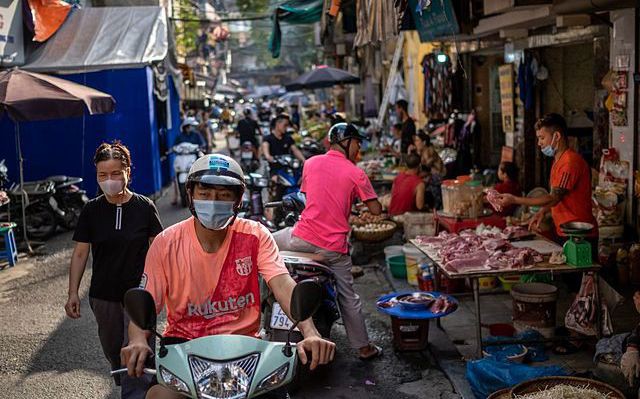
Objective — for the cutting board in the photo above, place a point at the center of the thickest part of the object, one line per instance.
(542, 246)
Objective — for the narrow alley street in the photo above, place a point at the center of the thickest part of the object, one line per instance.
(44, 354)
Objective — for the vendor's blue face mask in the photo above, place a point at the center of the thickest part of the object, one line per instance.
(214, 215)
(549, 150)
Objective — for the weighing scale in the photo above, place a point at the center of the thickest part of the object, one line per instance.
(577, 249)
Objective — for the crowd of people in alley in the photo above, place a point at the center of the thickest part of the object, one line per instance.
(205, 271)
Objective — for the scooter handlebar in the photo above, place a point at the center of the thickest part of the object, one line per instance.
(124, 371)
(275, 204)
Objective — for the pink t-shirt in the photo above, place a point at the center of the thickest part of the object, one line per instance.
(211, 293)
(331, 184)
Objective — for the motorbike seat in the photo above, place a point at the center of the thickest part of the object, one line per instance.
(58, 179)
(303, 256)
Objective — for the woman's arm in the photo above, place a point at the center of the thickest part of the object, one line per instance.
(76, 270)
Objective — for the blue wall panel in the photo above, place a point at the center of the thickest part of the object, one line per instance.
(66, 146)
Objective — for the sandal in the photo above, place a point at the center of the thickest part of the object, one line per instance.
(377, 353)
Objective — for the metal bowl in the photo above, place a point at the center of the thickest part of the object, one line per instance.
(576, 228)
(415, 301)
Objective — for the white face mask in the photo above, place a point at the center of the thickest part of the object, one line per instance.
(111, 187)
(214, 215)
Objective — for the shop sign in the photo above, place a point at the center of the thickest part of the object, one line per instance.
(436, 20)
(506, 97)
(11, 44)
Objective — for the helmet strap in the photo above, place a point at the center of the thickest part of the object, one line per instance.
(346, 148)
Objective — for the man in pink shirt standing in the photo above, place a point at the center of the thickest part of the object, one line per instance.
(331, 183)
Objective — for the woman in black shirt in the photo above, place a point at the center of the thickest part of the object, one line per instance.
(117, 228)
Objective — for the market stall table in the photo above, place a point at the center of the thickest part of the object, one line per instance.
(474, 276)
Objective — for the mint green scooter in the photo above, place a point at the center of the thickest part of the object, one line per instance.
(223, 366)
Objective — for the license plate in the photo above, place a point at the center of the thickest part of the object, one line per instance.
(279, 319)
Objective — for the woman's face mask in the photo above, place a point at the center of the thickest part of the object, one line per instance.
(111, 187)
(112, 178)
(214, 215)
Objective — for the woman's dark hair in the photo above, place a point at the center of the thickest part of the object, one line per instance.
(426, 139)
(510, 169)
(555, 122)
(398, 126)
(115, 150)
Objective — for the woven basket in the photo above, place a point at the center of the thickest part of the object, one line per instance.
(501, 394)
(375, 236)
(540, 384)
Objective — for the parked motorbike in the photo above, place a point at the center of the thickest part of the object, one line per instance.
(70, 198)
(41, 208)
(186, 155)
(223, 366)
(248, 159)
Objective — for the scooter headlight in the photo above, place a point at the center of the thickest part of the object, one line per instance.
(230, 380)
(274, 379)
(172, 381)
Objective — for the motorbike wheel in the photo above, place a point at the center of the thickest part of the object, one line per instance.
(71, 214)
(183, 194)
(41, 222)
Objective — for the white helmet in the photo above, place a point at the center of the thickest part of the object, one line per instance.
(216, 169)
(189, 121)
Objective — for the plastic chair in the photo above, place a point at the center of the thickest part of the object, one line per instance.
(10, 250)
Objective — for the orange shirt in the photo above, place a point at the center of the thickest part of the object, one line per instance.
(572, 173)
(211, 293)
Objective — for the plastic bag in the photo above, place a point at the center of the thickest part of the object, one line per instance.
(487, 376)
(536, 352)
(581, 316)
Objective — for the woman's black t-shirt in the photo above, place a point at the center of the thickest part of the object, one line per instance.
(119, 237)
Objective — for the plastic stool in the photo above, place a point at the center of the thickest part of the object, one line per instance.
(10, 251)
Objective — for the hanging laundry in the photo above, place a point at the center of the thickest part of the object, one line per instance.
(47, 16)
(437, 87)
(377, 22)
(526, 82)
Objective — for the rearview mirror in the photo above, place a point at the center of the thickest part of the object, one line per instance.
(141, 308)
(305, 300)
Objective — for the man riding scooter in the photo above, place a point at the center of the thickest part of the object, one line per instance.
(205, 270)
(331, 182)
(188, 134)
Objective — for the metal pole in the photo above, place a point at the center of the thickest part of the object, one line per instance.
(476, 298)
(23, 193)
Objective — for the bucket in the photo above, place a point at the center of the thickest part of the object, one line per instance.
(392, 250)
(509, 281)
(534, 307)
(397, 266)
(413, 256)
(487, 283)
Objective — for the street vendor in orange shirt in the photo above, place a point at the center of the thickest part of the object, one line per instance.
(570, 197)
